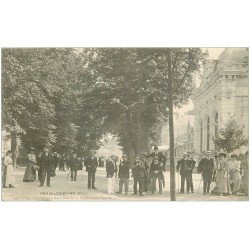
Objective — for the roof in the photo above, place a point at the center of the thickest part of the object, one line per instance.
(238, 55)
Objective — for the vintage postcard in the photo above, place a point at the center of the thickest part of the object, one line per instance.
(125, 124)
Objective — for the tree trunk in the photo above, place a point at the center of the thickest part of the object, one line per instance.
(171, 140)
(171, 132)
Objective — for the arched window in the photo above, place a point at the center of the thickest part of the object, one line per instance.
(216, 130)
(201, 139)
(208, 133)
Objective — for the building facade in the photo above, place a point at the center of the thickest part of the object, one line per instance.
(223, 93)
(185, 142)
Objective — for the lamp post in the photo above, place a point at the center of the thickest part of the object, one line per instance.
(171, 131)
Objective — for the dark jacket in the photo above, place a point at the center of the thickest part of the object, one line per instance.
(62, 160)
(193, 162)
(206, 167)
(184, 166)
(155, 167)
(124, 169)
(110, 169)
(139, 170)
(46, 162)
(91, 164)
(55, 160)
(73, 163)
(161, 157)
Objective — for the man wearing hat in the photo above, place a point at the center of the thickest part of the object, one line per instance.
(46, 167)
(139, 174)
(162, 161)
(91, 164)
(185, 168)
(73, 165)
(156, 174)
(193, 162)
(206, 167)
(123, 174)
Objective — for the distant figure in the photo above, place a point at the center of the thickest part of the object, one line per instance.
(123, 174)
(185, 168)
(54, 163)
(10, 171)
(206, 167)
(245, 174)
(62, 161)
(111, 171)
(234, 174)
(46, 167)
(101, 162)
(38, 159)
(91, 164)
(73, 165)
(80, 163)
(30, 172)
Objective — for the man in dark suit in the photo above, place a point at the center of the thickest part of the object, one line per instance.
(193, 162)
(206, 167)
(46, 166)
(156, 173)
(139, 174)
(73, 165)
(123, 174)
(185, 168)
(91, 164)
(162, 162)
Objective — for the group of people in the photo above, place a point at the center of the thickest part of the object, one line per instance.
(230, 176)
(145, 170)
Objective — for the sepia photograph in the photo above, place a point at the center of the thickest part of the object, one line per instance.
(125, 124)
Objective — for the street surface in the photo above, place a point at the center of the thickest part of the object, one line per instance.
(63, 189)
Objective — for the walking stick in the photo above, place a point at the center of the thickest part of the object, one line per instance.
(199, 185)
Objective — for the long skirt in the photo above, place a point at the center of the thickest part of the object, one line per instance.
(222, 182)
(234, 180)
(244, 185)
(29, 174)
(10, 176)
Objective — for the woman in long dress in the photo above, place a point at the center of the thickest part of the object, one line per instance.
(234, 175)
(222, 175)
(245, 174)
(30, 174)
(10, 171)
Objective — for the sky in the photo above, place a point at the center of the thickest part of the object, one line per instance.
(214, 52)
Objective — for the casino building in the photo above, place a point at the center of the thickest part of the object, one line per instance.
(223, 92)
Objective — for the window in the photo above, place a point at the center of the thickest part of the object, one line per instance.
(201, 140)
(208, 133)
(216, 130)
